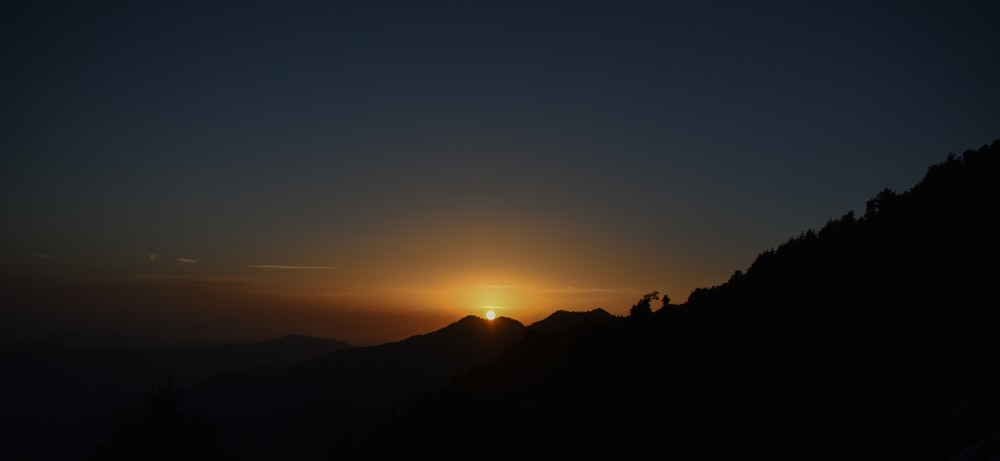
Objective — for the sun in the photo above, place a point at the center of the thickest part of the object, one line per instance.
(490, 315)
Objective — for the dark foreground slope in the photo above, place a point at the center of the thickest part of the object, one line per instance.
(74, 395)
(872, 338)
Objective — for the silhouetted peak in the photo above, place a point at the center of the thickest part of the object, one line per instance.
(289, 341)
(468, 319)
(473, 321)
(292, 338)
(471, 327)
(562, 320)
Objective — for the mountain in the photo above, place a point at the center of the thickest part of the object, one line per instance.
(563, 320)
(873, 338)
(292, 412)
(870, 338)
(75, 394)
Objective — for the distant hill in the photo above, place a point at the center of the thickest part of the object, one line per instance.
(873, 338)
(292, 412)
(76, 393)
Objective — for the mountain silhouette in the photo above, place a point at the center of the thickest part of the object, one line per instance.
(563, 320)
(291, 412)
(871, 338)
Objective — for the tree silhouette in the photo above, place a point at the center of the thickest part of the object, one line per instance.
(161, 431)
(643, 308)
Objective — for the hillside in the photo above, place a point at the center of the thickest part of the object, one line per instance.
(75, 394)
(290, 412)
(870, 338)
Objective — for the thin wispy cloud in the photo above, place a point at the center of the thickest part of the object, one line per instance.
(291, 267)
(216, 279)
(186, 261)
(152, 257)
(215, 282)
(40, 256)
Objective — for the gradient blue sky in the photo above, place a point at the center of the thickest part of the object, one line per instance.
(208, 171)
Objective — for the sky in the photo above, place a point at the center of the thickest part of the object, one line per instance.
(201, 172)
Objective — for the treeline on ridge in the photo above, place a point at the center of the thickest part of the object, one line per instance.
(873, 337)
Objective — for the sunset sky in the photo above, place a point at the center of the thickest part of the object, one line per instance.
(199, 172)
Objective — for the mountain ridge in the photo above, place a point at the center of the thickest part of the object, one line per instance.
(867, 339)
(357, 384)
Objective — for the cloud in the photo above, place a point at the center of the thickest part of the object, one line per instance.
(40, 256)
(152, 257)
(287, 267)
(186, 261)
(158, 279)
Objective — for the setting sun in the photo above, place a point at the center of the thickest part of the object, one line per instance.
(490, 315)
